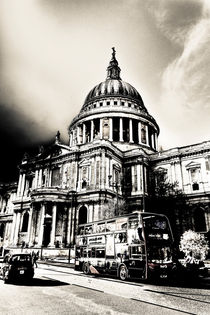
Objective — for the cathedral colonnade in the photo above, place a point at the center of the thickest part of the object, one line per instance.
(117, 129)
(45, 224)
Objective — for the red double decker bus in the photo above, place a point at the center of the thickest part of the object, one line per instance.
(138, 245)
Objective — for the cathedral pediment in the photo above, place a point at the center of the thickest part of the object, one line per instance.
(55, 150)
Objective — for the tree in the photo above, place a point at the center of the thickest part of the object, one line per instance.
(167, 198)
(110, 210)
(194, 242)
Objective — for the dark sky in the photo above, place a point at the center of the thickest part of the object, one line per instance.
(14, 143)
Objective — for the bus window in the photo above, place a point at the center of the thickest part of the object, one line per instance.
(100, 253)
(120, 237)
(121, 224)
(110, 226)
(137, 251)
(133, 223)
(156, 228)
(84, 252)
(93, 252)
(77, 254)
(88, 230)
(101, 227)
(81, 230)
(81, 252)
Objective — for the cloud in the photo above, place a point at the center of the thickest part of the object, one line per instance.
(185, 93)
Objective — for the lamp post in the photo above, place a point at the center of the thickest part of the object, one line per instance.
(116, 186)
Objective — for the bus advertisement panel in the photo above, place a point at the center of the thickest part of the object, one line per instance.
(137, 245)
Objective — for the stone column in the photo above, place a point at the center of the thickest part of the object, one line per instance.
(29, 226)
(40, 178)
(53, 229)
(152, 140)
(70, 140)
(131, 130)
(138, 177)
(139, 132)
(156, 141)
(19, 185)
(41, 225)
(17, 226)
(121, 130)
(110, 129)
(83, 133)
(69, 223)
(147, 135)
(91, 131)
(22, 184)
(78, 134)
(101, 128)
(13, 228)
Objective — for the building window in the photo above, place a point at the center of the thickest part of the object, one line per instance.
(129, 104)
(25, 222)
(56, 177)
(101, 104)
(107, 103)
(82, 215)
(122, 103)
(195, 178)
(195, 186)
(115, 102)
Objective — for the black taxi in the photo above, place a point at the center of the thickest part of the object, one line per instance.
(17, 267)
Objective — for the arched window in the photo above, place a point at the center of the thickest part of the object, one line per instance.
(199, 220)
(82, 215)
(25, 222)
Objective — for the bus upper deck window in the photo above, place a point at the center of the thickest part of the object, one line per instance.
(81, 230)
(88, 230)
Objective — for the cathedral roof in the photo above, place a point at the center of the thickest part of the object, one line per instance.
(113, 86)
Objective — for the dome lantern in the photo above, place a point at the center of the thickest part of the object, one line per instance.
(113, 71)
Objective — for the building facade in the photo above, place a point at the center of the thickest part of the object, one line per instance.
(104, 170)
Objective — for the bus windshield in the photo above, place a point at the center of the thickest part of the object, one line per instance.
(156, 228)
(159, 254)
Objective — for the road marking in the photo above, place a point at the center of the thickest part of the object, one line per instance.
(167, 307)
(82, 286)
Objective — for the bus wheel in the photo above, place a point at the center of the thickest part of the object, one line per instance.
(123, 273)
(86, 268)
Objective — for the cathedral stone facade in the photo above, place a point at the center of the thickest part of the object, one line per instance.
(104, 171)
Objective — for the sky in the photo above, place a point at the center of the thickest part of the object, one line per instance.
(53, 52)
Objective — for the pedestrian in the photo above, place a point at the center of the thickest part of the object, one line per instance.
(35, 257)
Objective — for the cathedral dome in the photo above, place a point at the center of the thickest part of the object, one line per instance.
(113, 86)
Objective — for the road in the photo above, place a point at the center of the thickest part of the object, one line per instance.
(58, 290)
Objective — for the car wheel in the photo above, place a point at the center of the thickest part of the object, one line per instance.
(123, 273)
(86, 268)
